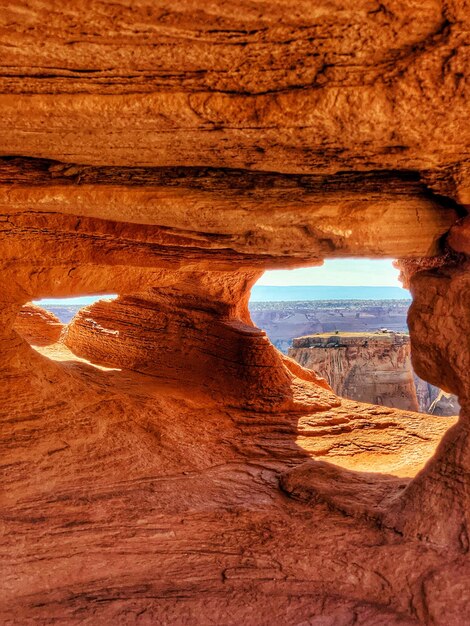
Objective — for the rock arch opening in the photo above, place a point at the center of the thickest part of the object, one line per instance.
(204, 394)
(45, 323)
(347, 320)
(65, 309)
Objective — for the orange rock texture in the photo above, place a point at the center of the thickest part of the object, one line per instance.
(164, 463)
(37, 326)
(199, 339)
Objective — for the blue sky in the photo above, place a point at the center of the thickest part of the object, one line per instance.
(341, 272)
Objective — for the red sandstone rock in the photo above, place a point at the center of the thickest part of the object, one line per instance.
(372, 367)
(175, 479)
(299, 87)
(170, 154)
(38, 326)
(439, 322)
(459, 237)
(196, 339)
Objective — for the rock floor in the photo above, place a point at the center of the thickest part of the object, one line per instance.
(128, 501)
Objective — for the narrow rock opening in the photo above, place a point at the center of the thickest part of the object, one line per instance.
(347, 321)
(44, 323)
(66, 308)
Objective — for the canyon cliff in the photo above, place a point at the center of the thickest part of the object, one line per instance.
(164, 462)
(371, 367)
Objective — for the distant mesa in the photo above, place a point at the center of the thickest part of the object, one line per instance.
(284, 320)
(373, 367)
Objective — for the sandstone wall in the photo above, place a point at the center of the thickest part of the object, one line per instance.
(199, 340)
(373, 368)
(38, 326)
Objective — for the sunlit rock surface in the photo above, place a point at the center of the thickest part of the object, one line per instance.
(38, 326)
(372, 367)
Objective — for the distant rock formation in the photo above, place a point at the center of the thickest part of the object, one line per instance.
(372, 367)
(284, 320)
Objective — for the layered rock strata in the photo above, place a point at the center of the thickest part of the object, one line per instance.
(294, 89)
(170, 154)
(164, 491)
(372, 367)
(38, 326)
(205, 338)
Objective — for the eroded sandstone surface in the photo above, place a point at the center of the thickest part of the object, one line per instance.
(166, 464)
(372, 367)
(163, 491)
(38, 326)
